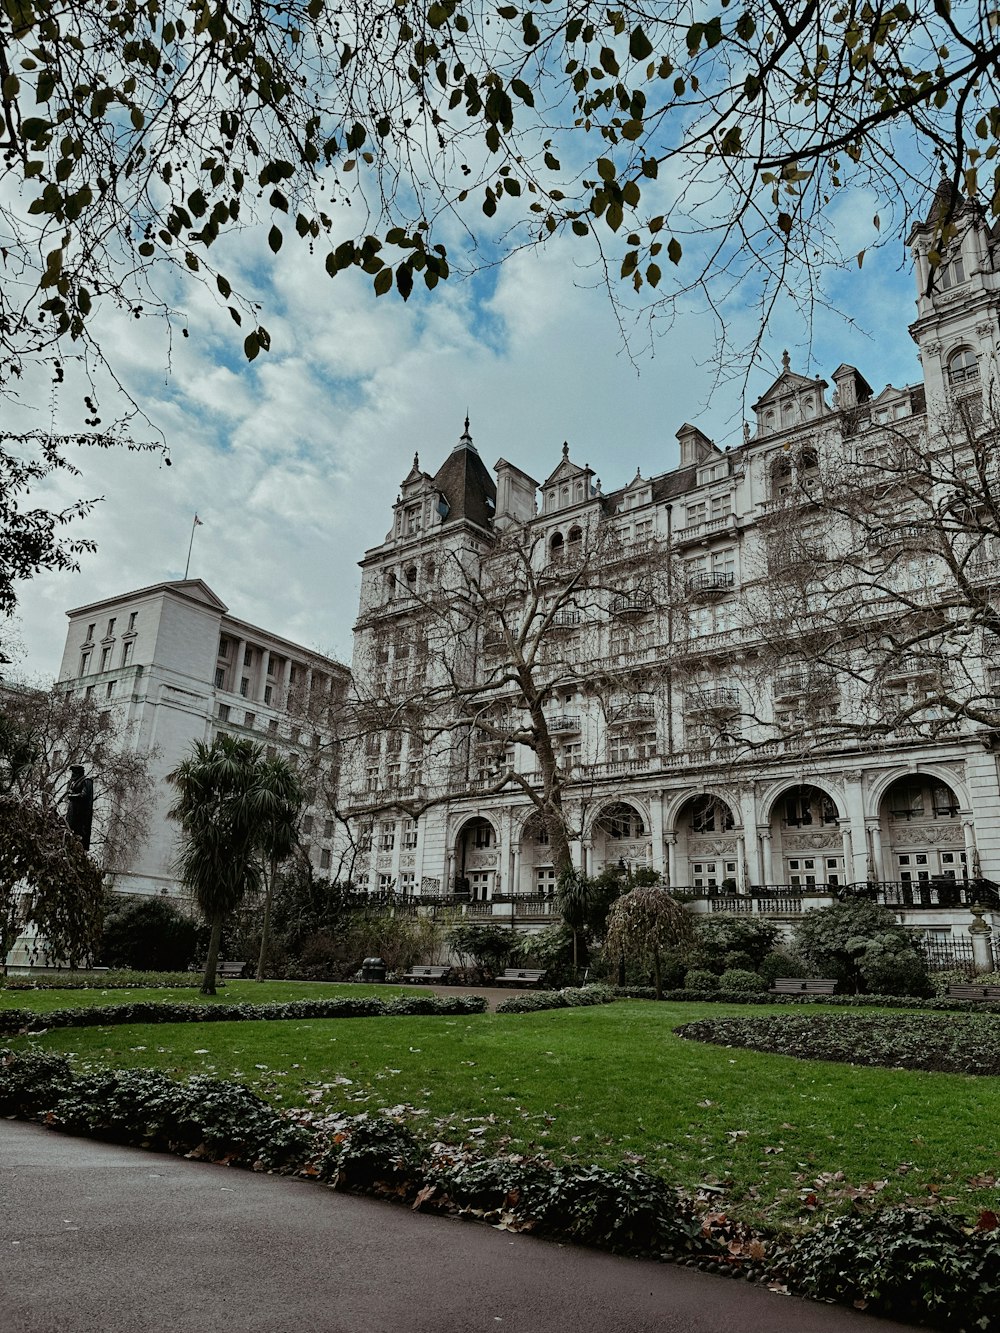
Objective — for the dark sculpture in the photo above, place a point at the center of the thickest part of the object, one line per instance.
(80, 804)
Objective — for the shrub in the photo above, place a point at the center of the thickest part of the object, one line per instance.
(739, 979)
(719, 936)
(372, 1151)
(851, 939)
(487, 946)
(700, 979)
(490, 1183)
(782, 963)
(30, 1081)
(903, 1264)
(115, 979)
(627, 1209)
(569, 997)
(148, 934)
(551, 949)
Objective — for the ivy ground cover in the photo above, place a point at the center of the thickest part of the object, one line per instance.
(782, 1139)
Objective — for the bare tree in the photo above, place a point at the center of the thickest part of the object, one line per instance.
(877, 597)
(49, 731)
(484, 685)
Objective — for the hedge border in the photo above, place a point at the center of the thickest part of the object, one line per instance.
(935, 1004)
(22, 1021)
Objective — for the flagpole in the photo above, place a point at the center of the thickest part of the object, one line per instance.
(195, 524)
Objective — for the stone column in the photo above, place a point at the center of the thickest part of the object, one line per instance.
(971, 855)
(982, 944)
(286, 681)
(848, 842)
(265, 662)
(656, 831)
(238, 668)
(855, 821)
(750, 855)
(876, 868)
(764, 837)
(670, 841)
(515, 869)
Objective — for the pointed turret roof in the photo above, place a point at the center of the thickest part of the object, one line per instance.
(466, 485)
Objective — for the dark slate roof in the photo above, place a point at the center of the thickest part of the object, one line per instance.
(675, 483)
(467, 486)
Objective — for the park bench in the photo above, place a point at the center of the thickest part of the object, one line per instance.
(803, 986)
(970, 991)
(520, 976)
(438, 974)
(232, 969)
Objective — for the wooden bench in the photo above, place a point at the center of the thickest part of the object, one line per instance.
(438, 974)
(803, 986)
(970, 991)
(520, 976)
(231, 968)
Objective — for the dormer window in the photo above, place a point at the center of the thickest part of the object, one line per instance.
(411, 520)
(963, 366)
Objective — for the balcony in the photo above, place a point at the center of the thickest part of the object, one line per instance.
(713, 584)
(613, 768)
(704, 528)
(559, 723)
(568, 618)
(723, 698)
(788, 560)
(641, 548)
(796, 684)
(631, 604)
(631, 710)
(915, 666)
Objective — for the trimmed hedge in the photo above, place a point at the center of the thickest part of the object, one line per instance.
(966, 1045)
(571, 997)
(164, 1011)
(935, 1005)
(113, 979)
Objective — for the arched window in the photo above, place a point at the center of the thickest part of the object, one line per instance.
(781, 478)
(556, 547)
(411, 578)
(575, 538)
(963, 366)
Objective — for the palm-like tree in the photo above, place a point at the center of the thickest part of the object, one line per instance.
(218, 809)
(276, 798)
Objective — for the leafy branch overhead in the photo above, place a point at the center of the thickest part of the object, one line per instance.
(687, 153)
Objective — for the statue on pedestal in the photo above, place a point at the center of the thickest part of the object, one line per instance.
(80, 804)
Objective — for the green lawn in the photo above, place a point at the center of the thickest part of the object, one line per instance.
(610, 1085)
(230, 992)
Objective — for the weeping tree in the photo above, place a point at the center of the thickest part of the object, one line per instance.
(230, 809)
(47, 878)
(645, 922)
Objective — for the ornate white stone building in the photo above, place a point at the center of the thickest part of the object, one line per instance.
(701, 725)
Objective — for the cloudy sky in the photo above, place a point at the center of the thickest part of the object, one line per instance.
(293, 462)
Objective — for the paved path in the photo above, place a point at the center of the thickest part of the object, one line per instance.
(101, 1239)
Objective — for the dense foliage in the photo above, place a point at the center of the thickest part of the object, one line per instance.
(113, 979)
(488, 947)
(863, 946)
(570, 998)
(644, 924)
(966, 1045)
(148, 935)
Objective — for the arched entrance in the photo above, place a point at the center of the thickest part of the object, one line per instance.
(922, 839)
(620, 838)
(476, 859)
(706, 855)
(807, 845)
(538, 875)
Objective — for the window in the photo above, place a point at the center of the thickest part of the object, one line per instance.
(963, 366)
(224, 648)
(249, 719)
(386, 883)
(268, 692)
(324, 859)
(387, 837)
(710, 816)
(483, 836)
(412, 520)
(111, 628)
(410, 834)
(133, 616)
(272, 725)
(307, 823)
(84, 663)
(127, 647)
(110, 689)
(222, 712)
(951, 273)
(220, 678)
(106, 658)
(248, 657)
(89, 692)
(245, 687)
(556, 548)
(90, 634)
(625, 823)
(272, 666)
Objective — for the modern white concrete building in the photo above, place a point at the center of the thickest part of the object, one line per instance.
(178, 668)
(696, 729)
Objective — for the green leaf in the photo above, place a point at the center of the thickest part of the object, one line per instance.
(632, 129)
(639, 45)
(674, 251)
(614, 216)
(383, 281)
(605, 169)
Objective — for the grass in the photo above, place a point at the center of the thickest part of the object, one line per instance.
(784, 1137)
(230, 992)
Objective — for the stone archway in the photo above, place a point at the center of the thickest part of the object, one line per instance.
(705, 853)
(918, 848)
(806, 840)
(477, 858)
(620, 838)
